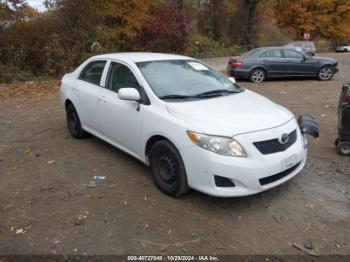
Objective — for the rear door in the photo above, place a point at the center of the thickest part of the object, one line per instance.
(86, 92)
(273, 62)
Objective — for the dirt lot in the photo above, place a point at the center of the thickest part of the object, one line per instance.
(47, 207)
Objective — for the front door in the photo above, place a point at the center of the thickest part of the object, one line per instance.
(120, 120)
(298, 64)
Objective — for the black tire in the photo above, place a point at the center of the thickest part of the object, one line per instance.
(73, 122)
(326, 73)
(343, 148)
(257, 75)
(168, 170)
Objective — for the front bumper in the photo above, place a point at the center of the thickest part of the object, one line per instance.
(202, 165)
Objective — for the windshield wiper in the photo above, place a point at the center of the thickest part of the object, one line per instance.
(175, 97)
(216, 92)
(211, 93)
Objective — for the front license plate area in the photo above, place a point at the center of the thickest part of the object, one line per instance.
(289, 161)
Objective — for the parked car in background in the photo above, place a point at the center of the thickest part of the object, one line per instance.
(343, 48)
(192, 125)
(343, 140)
(307, 47)
(276, 62)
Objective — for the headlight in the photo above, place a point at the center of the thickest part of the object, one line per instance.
(218, 144)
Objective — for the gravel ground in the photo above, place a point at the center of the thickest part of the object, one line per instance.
(47, 205)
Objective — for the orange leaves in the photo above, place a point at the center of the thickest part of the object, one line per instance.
(328, 19)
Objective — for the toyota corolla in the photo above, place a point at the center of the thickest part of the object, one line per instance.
(193, 126)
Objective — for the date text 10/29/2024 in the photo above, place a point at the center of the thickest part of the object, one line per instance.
(173, 258)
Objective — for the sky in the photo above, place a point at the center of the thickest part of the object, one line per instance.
(37, 4)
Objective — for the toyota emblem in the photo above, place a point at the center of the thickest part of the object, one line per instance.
(284, 139)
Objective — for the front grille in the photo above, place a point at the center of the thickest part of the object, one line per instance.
(274, 145)
(273, 178)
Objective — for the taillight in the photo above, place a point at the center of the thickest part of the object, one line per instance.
(235, 63)
(346, 99)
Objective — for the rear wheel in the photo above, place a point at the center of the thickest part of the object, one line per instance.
(326, 73)
(168, 170)
(257, 76)
(73, 122)
(343, 148)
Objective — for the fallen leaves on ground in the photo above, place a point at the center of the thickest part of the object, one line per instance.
(31, 88)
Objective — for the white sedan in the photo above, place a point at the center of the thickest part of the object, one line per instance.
(343, 48)
(193, 126)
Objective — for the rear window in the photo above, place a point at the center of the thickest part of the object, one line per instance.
(251, 52)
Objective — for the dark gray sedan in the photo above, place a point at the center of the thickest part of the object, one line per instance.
(277, 62)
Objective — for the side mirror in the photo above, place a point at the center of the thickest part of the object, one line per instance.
(232, 79)
(129, 93)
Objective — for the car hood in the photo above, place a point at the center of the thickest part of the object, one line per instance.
(231, 115)
(324, 58)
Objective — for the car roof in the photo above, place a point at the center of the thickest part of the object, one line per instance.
(274, 47)
(142, 56)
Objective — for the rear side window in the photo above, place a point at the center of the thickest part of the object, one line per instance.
(92, 72)
(273, 53)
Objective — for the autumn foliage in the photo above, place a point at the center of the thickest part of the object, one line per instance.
(54, 42)
(327, 19)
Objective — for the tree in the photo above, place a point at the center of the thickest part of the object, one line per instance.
(12, 10)
(327, 19)
(167, 29)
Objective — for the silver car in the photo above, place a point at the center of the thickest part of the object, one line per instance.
(343, 48)
(306, 47)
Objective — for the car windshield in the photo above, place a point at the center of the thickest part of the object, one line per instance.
(185, 79)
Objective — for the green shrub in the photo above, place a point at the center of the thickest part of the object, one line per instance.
(9, 74)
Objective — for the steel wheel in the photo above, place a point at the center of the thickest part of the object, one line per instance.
(168, 170)
(326, 73)
(73, 122)
(257, 76)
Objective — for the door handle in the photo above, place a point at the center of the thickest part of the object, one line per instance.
(103, 99)
(75, 88)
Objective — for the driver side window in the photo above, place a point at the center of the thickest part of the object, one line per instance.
(293, 54)
(120, 76)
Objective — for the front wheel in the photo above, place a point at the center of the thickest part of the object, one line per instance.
(168, 170)
(257, 76)
(326, 73)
